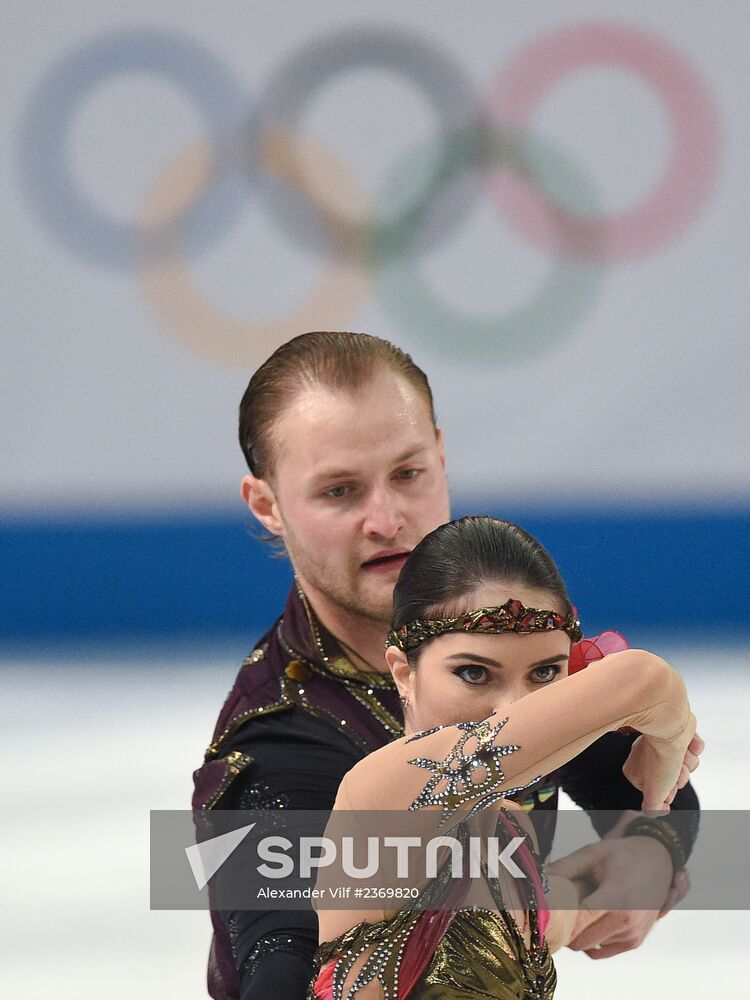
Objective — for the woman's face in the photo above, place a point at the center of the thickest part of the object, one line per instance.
(463, 678)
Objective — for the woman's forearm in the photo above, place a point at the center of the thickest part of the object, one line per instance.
(630, 688)
(665, 711)
(543, 731)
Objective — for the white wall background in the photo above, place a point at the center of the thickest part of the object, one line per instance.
(105, 404)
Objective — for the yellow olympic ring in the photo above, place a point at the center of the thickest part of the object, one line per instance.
(192, 319)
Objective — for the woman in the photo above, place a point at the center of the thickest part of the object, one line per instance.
(481, 619)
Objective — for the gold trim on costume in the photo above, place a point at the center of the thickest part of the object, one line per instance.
(284, 702)
(236, 762)
(257, 654)
(341, 666)
(381, 713)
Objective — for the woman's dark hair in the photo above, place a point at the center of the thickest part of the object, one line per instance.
(457, 558)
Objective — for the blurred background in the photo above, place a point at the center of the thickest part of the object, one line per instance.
(545, 204)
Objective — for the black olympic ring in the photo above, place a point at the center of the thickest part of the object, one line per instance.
(417, 227)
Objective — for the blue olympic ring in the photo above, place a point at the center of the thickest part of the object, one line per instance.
(52, 190)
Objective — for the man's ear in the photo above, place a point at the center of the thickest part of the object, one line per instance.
(400, 669)
(440, 438)
(259, 497)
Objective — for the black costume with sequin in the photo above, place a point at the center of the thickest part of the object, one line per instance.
(293, 724)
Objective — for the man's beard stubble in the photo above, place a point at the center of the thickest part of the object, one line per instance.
(330, 586)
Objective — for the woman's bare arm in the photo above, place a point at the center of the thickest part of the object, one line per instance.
(543, 731)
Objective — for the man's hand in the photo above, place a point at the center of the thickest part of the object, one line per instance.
(631, 886)
(629, 881)
(679, 888)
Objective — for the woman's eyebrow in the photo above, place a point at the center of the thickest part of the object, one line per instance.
(551, 660)
(485, 660)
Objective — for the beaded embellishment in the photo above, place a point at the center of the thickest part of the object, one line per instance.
(662, 830)
(382, 965)
(387, 940)
(456, 773)
(268, 945)
(509, 617)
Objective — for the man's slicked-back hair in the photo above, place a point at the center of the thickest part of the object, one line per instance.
(334, 360)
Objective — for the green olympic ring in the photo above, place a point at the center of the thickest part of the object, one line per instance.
(571, 284)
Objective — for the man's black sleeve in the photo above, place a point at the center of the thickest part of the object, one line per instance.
(595, 782)
(298, 763)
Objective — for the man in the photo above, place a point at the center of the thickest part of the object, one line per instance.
(347, 469)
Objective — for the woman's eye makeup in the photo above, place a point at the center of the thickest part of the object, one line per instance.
(543, 675)
(472, 674)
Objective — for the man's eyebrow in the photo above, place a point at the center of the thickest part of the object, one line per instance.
(342, 473)
(488, 662)
(410, 453)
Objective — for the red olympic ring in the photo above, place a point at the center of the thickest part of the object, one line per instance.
(694, 160)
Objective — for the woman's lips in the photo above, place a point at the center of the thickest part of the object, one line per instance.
(386, 564)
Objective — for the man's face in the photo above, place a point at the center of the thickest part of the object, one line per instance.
(359, 480)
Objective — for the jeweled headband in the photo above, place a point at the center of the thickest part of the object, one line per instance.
(509, 617)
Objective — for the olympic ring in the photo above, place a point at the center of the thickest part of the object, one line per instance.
(77, 224)
(570, 286)
(288, 93)
(188, 315)
(693, 165)
(185, 218)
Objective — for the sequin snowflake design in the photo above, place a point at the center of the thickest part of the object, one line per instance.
(258, 795)
(267, 946)
(456, 773)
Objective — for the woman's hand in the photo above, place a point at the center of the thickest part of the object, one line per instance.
(659, 767)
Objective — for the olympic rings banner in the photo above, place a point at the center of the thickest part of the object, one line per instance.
(544, 209)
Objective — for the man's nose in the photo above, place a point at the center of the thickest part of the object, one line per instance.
(384, 514)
